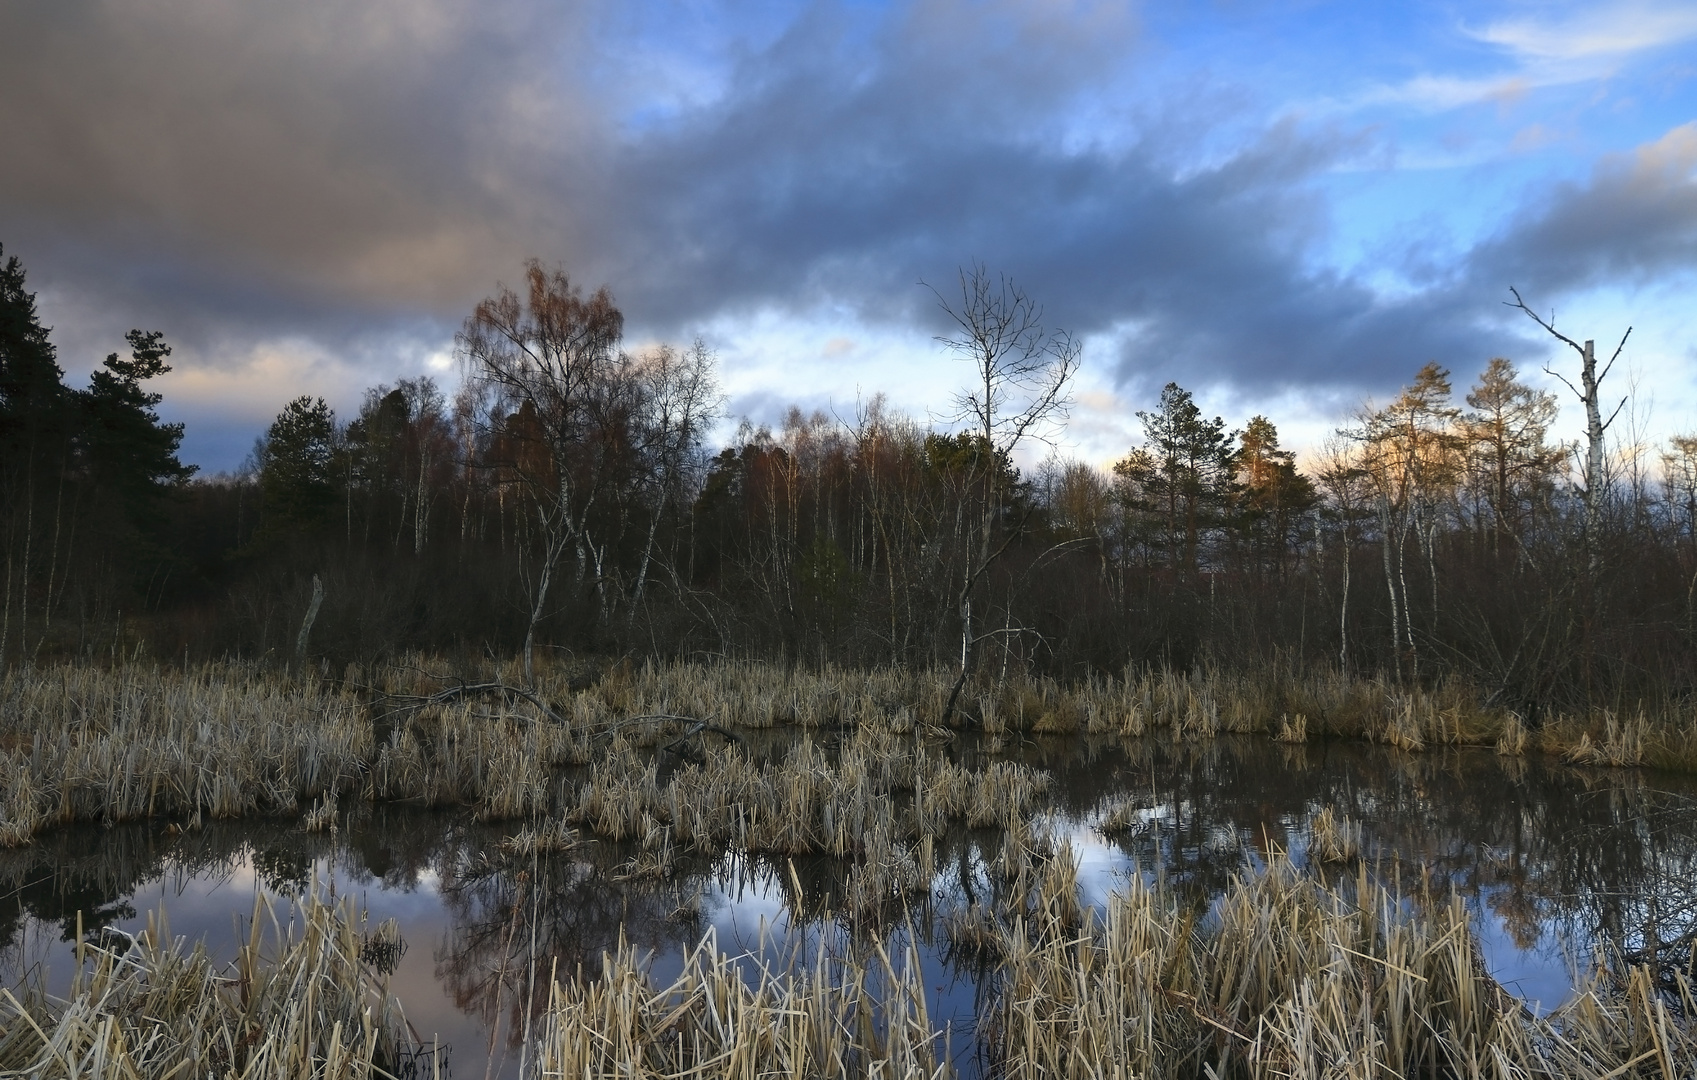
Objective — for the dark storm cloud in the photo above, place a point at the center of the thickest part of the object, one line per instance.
(1633, 221)
(357, 172)
(262, 165)
(835, 170)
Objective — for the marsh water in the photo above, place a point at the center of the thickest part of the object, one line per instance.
(1555, 862)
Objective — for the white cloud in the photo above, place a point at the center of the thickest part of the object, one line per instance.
(1584, 46)
(1599, 30)
(1439, 92)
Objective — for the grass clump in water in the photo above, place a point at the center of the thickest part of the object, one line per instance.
(1287, 977)
(303, 1006)
(723, 1016)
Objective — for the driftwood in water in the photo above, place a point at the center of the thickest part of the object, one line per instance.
(697, 728)
(390, 711)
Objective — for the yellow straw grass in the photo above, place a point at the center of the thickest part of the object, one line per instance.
(302, 1005)
(1288, 977)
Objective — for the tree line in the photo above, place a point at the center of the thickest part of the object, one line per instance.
(566, 498)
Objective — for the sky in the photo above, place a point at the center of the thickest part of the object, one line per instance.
(1286, 207)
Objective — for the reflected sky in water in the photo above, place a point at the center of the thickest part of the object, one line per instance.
(1553, 861)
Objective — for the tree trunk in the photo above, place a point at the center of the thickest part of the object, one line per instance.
(311, 617)
(1343, 610)
(1594, 428)
(1390, 580)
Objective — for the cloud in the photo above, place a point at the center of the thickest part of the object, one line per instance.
(1585, 45)
(337, 151)
(839, 171)
(333, 184)
(1437, 93)
(1634, 220)
(1595, 30)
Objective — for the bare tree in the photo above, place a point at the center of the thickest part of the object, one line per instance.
(1589, 392)
(549, 366)
(1410, 455)
(1020, 374)
(680, 401)
(1345, 481)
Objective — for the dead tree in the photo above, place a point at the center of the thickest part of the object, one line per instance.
(1589, 392)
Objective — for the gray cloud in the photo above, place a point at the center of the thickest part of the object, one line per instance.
(1633, 221)
(806, 182)
(359, 173)
(372, 152)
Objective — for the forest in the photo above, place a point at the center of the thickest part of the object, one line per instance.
(567, 500)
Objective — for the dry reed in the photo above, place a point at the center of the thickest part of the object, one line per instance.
(84, 743)
(744, 1017)
(1333, 838)
(301, 1005)
(1289, 978)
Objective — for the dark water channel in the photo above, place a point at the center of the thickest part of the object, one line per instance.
(1554, 862)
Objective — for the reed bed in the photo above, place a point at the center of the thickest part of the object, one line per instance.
(1287, 977)
(875, 801)
(744, 1017)
(1293, 706)
(299, 1003)
(1283, 975)
(87, 743)
(90, 744)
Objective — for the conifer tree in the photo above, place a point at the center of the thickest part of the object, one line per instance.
(128, 452)
(34, 451)
(296, 459)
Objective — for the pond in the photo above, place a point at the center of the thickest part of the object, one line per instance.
(1554, 863)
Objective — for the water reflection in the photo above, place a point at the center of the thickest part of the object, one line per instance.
(1554, 861)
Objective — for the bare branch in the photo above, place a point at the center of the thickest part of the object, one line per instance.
(1614, 414)
(1610, 365)
(1549, 326)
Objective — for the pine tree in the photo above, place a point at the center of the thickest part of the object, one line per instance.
(1185, 471)
(1271, 496)
(297, 476)
(33, 397)
(126, 450)
(1514, 466)
(35, 431)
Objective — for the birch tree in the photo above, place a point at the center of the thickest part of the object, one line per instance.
(1589, 392)
(1409, 455)
(548, 365)
(1020, 373)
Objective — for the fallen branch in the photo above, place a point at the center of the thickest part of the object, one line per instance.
(407, 703)
(700, 726)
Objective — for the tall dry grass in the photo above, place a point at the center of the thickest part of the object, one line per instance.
(1287, 977)
(819, 1016)
(296, 1003)
(224, 741)
(874, 800)
(86, 743)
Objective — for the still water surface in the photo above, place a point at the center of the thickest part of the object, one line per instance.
(1554, 862)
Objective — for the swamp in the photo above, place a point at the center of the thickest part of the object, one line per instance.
(556, 720)
(1126, 879)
